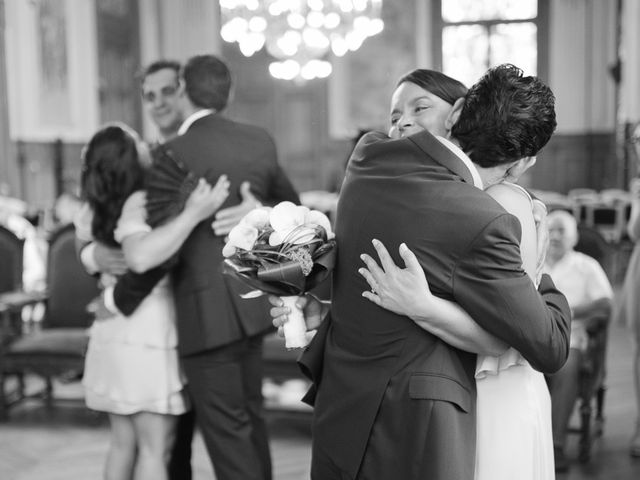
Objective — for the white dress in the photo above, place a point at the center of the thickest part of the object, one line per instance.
(514, 437)
(132, 362)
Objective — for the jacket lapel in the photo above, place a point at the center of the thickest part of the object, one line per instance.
(429, 144)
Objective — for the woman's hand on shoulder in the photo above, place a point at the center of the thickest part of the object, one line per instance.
(206, 199)
(401, 290)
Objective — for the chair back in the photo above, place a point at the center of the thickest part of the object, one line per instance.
(591, 242)
(11, 251)
(70, 287)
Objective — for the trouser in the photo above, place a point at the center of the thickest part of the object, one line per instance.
(225, 385)
(564, 388)
(180, 460)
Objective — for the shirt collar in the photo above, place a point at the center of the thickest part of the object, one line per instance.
(191, 119)
(477, 180)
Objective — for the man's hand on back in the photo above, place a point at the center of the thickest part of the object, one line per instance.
(227, 218)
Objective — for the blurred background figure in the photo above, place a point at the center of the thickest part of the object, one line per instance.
(628, 307)
(13, 216)
(66, 208)
(589, 293)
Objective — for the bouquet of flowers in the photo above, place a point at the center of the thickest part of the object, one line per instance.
(284, 250)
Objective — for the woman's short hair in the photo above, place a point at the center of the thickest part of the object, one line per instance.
(506, 116)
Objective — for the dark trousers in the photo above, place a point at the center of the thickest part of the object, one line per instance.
(225, 385)
(180, 461)
(564, 387)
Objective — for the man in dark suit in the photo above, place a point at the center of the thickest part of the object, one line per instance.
(219, 334)
(394, 401)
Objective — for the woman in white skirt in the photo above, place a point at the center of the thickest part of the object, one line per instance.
(131, 369)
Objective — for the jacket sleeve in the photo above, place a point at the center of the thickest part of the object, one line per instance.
(132, 288)
(311, 361)
(490, 284)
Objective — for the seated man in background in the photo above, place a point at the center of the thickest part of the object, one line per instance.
(589, 293)
(13, 216)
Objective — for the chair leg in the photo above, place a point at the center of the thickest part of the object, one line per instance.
(584, 447)
(600, 401)
(599, 420)
(48, 391)
(20, 387)
(3, 399)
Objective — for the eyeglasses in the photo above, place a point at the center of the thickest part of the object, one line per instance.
(165, 92)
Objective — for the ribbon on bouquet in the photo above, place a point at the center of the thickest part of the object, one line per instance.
(285, 277)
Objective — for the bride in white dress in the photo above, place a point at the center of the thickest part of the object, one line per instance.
(132, 370)
(513, 438)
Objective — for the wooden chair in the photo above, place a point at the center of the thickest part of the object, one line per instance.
(592, 370)
(58, 347)
(11, 256)
(611, 221)
(583, 201)
(11, 251)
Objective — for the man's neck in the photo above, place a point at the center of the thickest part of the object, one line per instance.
(189, 110)
(490, 176)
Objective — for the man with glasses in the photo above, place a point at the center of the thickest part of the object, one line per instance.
(162, 97)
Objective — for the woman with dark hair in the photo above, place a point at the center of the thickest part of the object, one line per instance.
(131, 367)
(428, 96)
(513, 420)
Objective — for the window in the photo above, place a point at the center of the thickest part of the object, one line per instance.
(52, 80)
(476, 35)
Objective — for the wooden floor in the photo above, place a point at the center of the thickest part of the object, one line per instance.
(69, 442)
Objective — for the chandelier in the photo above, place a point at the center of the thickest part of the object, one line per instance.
(300, 33)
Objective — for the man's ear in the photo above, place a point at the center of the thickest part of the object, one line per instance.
(454, 114)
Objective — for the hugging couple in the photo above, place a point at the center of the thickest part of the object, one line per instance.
(435, 370)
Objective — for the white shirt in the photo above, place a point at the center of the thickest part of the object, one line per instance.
(477, 180)
(582, 280)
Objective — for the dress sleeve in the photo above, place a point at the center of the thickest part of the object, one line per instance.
(133, 218)
(517, 201)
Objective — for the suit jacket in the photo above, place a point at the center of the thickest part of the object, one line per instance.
(210, 311)
(395, 401)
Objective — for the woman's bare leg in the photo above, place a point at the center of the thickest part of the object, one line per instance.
(122, 448)
(155, 434)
